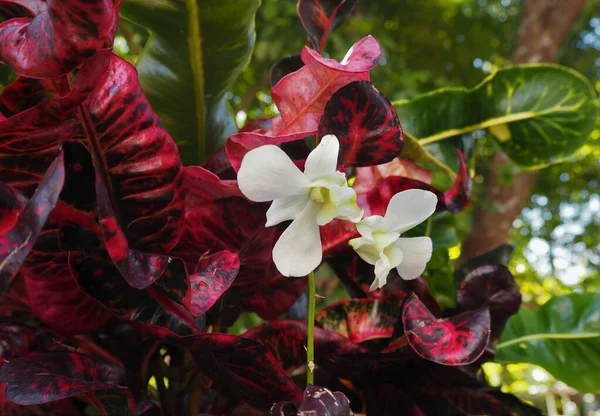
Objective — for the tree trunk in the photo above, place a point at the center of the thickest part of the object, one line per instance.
(543, 28)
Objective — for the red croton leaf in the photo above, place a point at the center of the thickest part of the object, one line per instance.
(50, 376)
(159, 309)
(302, 95)
(374, 199)
(212, 277)
(365, 123)
(319, 17)
(53, 293)
(387, 399)
(19, 340)
(459, 340)
(362, 320)
(21, 8)
(58, 38)
(316, 401)
(245, 368)
(493, 286)
(17, 241)
(287, 339)
(217, 219)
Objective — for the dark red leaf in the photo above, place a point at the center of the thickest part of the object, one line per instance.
(215, 222)
(354, 272)
(365, 123)
(471, 400)
(287, 340)
(57, 39)
(26, 93)
(362, 320)
(459, 340)
(319, 17)
(374, 201)
(46, 377)
(21, 8)
(282, 68)
(155, 310)
(245, 368)
(53, 294)
(212, 277)
(492, 286)
(65, 407)
(19, 340)
(301, 96)
(336, 235)
(261, 125)
(316, 401)
(30, 139)
(17, 242)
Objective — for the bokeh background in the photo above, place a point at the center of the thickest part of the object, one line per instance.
(430, 44)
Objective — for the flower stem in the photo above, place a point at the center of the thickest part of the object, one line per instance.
(428, 227)
(310, 343)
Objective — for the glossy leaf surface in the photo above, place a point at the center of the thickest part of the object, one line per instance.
(191, 59)
(492, 286)
(46, 377)
(562, 336)
(365, 124)
(538, 114)
(58, 38)
(459, 340)
(362, 320)
(316, 401)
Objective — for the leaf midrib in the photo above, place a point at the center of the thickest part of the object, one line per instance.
(197, 68)
(510, 118)
(544, 336)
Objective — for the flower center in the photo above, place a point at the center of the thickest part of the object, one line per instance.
(320, 194)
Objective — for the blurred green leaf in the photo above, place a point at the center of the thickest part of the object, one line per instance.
(538, 114)
(562, 336)
(195, 52)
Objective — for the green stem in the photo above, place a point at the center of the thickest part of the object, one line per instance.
(428, 228)
(310, 343)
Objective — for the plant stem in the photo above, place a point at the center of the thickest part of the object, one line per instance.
(428, 227)
(310, 343)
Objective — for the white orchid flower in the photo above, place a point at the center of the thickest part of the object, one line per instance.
(381, 244)
(311, 198)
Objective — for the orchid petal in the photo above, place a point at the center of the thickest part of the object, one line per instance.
(322, 161)
(298, 250)
(287, 208)
(408, 209)
(417, 252)
(267, 173)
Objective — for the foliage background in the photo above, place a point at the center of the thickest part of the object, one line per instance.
(439, 43)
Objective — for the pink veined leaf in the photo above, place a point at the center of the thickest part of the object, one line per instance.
(22, 8)
(319, 17)
(458, 340)
(58, 38)
(301, 97)
(365, 123)
(316, 401)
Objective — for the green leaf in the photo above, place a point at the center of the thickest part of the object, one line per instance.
(196, 50)
(538, 114)
(562, 336)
